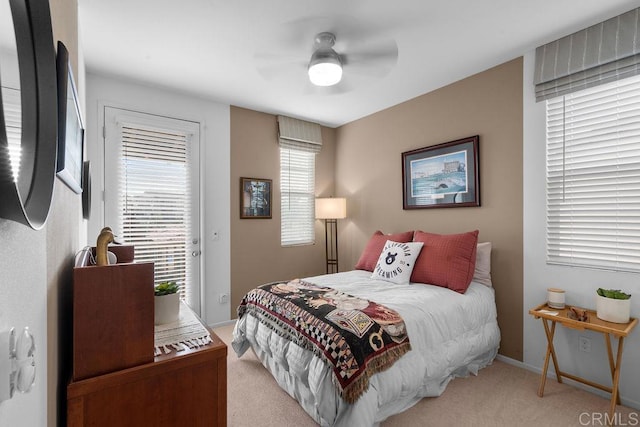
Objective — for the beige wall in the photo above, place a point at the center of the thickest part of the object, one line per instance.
(63, 240)
(369, 171)
(256, 254)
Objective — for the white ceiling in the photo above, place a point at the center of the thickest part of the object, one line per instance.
(253, 53)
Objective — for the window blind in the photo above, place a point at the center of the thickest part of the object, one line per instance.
(297, 187)
(600, 54)
(299, 134)
(593, 177)
(13, 124)
(154, 200)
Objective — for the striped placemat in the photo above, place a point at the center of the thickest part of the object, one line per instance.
(187, 332)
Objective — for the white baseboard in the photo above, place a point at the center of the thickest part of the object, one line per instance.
(626, 402)
(225, 323)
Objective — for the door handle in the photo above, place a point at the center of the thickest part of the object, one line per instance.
(195, 253)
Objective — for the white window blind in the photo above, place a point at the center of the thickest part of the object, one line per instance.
(297, 186)
(593, 177)
(13, 124)
(154, 200)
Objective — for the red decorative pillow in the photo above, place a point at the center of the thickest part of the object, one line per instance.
(371, 253)
(446, 260)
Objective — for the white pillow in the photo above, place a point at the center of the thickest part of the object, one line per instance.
(396, 261)
(482, 274)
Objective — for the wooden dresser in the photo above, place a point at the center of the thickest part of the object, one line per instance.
(188, 388)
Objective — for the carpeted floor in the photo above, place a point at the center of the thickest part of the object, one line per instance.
(501, 395)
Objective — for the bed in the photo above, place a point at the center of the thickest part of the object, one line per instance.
(452, 334)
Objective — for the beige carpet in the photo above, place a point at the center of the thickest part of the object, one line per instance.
(501, 395)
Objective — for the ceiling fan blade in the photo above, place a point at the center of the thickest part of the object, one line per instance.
(374, 61)
(306, 28)
(282, 71)
(343, 87)
(279, 65)
(381, 49)
(337, 89)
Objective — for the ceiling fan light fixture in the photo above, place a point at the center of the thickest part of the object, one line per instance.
(325, 66)
(325, 73)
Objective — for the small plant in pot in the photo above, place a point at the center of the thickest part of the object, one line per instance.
(613, 305)
(167, 302)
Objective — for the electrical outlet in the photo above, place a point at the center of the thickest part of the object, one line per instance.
(585, 344)
(223, 298)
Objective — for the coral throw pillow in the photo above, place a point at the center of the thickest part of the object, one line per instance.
(446, 260)
(371, 253)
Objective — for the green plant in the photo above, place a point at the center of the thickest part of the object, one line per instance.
(613, 293)
(166, 288)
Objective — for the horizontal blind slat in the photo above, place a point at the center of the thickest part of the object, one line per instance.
(297, 186)
(593, 177)
(154, 203)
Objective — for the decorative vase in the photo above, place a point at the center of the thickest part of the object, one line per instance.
(555, 298)
(167, 308)
(613, 310)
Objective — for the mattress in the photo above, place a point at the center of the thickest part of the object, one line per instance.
(452, 335)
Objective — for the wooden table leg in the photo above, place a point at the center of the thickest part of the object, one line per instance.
(550, 353)
(615, 398)
(612, 365)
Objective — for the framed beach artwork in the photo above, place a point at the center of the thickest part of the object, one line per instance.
(255, 198)
(442, 176)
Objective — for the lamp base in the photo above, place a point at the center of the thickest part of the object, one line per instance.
(331, 244)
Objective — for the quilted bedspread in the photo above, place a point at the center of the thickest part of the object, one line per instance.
(357, 337)
(451, 334)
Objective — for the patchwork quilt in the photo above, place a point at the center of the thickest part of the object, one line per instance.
(357, 337)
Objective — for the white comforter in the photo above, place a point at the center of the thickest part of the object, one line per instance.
(451, 335)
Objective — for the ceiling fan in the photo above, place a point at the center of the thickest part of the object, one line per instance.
(325, 66)
(327, 55)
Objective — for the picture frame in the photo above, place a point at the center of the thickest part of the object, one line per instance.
(86, 189)
(255, 198)
(445, 175)
(70, 125)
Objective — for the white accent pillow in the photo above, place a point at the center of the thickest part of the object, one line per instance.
(396, 261)
(482, 274)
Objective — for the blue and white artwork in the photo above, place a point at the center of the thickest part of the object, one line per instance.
(435, 177)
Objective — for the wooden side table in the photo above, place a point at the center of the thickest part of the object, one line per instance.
(186, 388)
(619, 330)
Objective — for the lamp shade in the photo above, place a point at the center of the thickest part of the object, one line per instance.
(331, 208)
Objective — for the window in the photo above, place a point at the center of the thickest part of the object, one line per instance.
(152, 193)
(593, 177)
(297, 188)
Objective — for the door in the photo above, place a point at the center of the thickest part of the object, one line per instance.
(152, 193)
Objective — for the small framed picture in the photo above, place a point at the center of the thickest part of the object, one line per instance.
(70, 127)
(255, 198)
(442, 176)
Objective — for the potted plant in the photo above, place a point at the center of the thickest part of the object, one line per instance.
(613, 305)
(167, 302)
